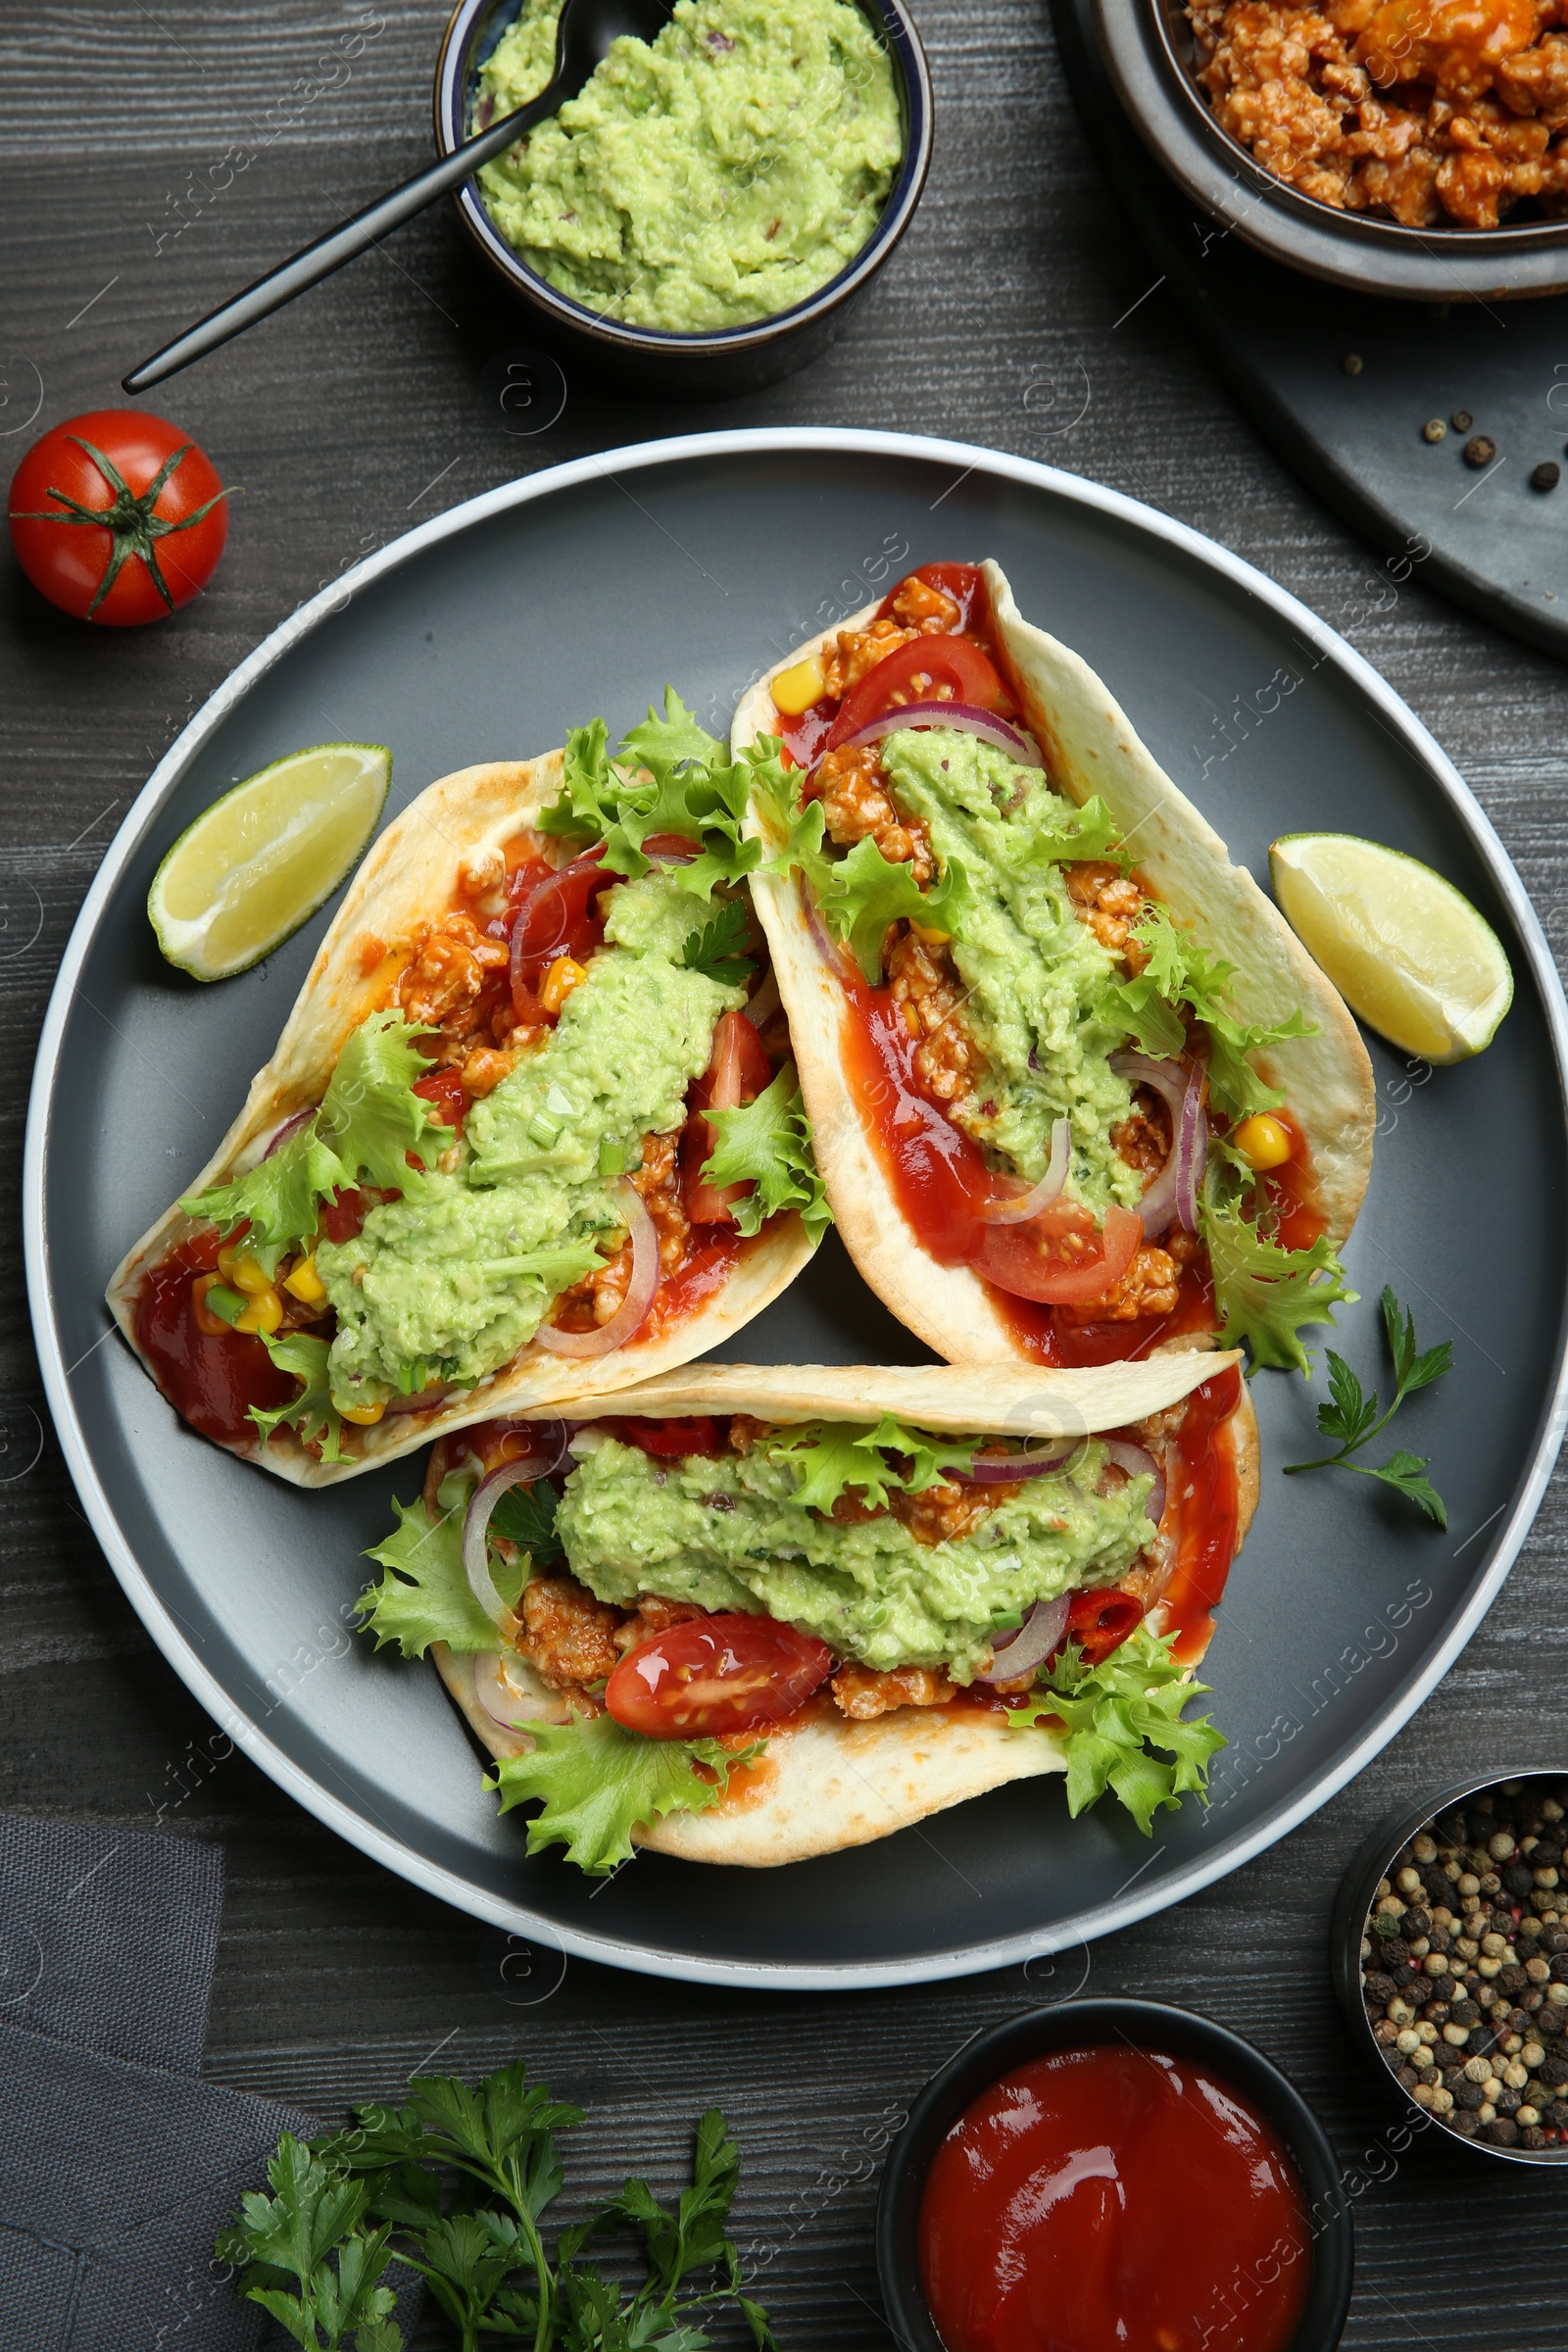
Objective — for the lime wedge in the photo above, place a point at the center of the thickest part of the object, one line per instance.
(259, 862)
(1405, 949)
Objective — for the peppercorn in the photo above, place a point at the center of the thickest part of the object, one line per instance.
(1418, 1921)
(1464, 2123)
(1517, 1879)
(1546, 475)
(1434, 430)
(1533, 2136)
(1380, 1989)
(1461, 421)
(1352, 362)
(1479, 451)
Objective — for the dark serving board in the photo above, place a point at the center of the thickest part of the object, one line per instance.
(1340, 1615)
(1280, 338)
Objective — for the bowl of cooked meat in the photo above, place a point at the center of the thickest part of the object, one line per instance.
(1407, 147)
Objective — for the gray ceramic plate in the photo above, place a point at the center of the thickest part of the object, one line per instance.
(487, 633)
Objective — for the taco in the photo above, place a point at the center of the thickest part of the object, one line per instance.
(748, 1614)
(531, 1129)
(1099, 1097)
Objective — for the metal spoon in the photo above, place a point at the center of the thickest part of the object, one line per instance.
(582, 39)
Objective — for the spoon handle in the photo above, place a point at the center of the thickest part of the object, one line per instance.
(341, 244)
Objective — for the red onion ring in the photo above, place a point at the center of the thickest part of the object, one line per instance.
(1016, 1208)
(512, 1710)
(288, 1128)
(425, 1401)
(965, 718)
(1005, 1469)
(763, 1007)
(1139, 1463)
(632, 1312)
(1032, 1644)
(831, 952)
(1173, 1194)
(476, 1540)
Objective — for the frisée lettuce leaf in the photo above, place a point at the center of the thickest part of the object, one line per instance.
(599, 1782)
(768, 1144)
(1114, 1715)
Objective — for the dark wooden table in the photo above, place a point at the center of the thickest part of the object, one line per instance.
(154, 159)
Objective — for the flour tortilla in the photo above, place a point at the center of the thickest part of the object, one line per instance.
(1089, 747)
(827, 1783)
(408, 875)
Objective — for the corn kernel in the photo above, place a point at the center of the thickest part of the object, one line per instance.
(305, 1283)
(794, 690)
(559, 982)
(242, 1272)
(1263, 1141)
(361, 1415)
(263, 1314)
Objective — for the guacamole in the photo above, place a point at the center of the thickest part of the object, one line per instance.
(723, 1533)
(716, 175)
(457, 1274)
(1038, 979)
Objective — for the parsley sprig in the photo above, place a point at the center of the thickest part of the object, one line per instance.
(347, 2205)
(1352, 1416)
(718, 949)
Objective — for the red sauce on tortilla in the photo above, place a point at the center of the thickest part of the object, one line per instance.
(1207, 1493)
(1099, 2199)
(211, 1382)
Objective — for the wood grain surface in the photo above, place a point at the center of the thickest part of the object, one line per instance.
(1019, 313)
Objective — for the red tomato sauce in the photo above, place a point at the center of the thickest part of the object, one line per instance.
(1207, 1494)
(211, 1382)
(1113, 2200)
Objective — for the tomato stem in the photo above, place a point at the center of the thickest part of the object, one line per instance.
(129, 518)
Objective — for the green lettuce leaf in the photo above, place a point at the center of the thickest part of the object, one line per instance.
(1265, 1293)
(769, 1143)
(1060, 832)
(424, 1596)
(835, 1455)
(369, 1113)
(312, 1413)
(599, 1781)
(1118, 1711)
(368, 1121)
(279, 1199)
(685, 781)
(1180, 972)
(862, 894)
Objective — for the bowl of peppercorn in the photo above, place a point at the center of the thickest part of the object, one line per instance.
(1449, 1950)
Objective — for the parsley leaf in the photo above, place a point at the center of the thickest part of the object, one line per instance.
(833, 1457)
(768, 1144)
(314, 2213)
(1114, 1714)
(718, 949)
(1352, 1416)
(424, 1596)
(456, 2183)
(1264, 1293)
(526, 1516)
(599, 1781)
(312, 1414)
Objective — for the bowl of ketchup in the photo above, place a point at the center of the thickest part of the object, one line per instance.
(1113, 2176)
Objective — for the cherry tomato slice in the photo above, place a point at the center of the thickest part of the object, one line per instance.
(1101, 1622)
(671, 1440)
(1029, 1260)
(950, 662)
(443, 1091)
(737, 1072)
(340, 1219)
(713, 1675)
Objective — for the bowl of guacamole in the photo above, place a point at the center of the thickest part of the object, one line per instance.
(700, 218)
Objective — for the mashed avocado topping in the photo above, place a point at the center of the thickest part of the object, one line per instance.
(719, 174)
(1042, 1003)
(726, 1532)
(456, 1276)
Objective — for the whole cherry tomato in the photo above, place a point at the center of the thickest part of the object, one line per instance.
(117, 517)
(713, 1675)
